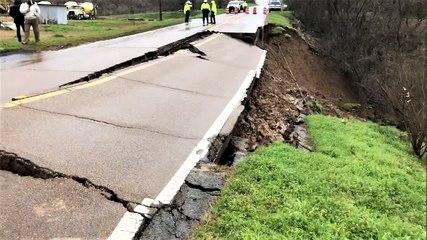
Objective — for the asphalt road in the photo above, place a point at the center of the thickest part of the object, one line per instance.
(27, 74)
(243, 22)
(129, 132)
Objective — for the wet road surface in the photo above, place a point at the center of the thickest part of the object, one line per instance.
(128, 132)
(243, 22)
(26, 74)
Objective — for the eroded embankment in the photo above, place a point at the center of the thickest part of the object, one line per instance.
(294, 82)
(199, 189)
(273, 111)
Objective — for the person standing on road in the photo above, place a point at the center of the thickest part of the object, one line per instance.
(205, 11)
(31, 13)
(213, 12)
(187, 9)
(18, 18)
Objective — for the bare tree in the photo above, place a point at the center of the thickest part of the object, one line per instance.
(382, 45)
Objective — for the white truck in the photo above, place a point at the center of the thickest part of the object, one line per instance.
(86, 10)
(275, 5)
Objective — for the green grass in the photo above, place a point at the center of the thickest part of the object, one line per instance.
(360, 183)
(77, 32)
(280, 19)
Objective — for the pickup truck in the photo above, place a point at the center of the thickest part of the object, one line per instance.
(275, 5)
(235, 4)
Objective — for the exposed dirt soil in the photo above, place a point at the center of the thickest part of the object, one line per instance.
(295, 82)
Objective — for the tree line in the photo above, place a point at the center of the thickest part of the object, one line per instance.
(381, 45)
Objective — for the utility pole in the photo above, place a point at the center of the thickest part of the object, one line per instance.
(160, 10)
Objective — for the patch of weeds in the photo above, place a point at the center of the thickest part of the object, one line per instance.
(58, 36)
(351, 106)
(281, 19)
(315, 106)
(278, 30)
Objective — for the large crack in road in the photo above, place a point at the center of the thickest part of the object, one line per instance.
(11, 162)
(149, 56)
(195, 195)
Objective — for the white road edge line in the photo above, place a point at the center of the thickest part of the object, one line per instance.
(260, 64)
(201, 150)
(130, 222)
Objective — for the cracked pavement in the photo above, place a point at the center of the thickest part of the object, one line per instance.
(53, 208)
(193, 200)
(67, 65)
(129, 134)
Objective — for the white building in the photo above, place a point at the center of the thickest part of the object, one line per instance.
(53, 14)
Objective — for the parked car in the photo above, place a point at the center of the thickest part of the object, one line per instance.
(275, 5)
(235, 4)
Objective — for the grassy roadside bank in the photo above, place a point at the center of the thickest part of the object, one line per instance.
(78, 32)
(280, 19)
(360, 183)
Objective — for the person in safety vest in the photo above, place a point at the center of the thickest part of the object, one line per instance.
(205, 11)
(245, 5)
(213, 12)
(187, 9)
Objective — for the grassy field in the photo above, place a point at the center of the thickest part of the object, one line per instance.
(360, 183)
(83, 31)
(280, 19)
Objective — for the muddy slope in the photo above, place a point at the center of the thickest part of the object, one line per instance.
(295, 82)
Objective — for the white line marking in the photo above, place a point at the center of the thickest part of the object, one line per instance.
(201, 149)
(126, 229)
(261, 64)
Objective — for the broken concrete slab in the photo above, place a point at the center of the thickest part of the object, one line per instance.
(168, 225)
(192, 202)
(206, 181)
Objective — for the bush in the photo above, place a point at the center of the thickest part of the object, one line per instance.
(381, 44)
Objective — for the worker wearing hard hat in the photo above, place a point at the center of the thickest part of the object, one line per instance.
(187, 9)
(205, 11)
(213, 12)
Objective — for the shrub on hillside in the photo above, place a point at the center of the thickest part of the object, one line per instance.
(381, 44)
